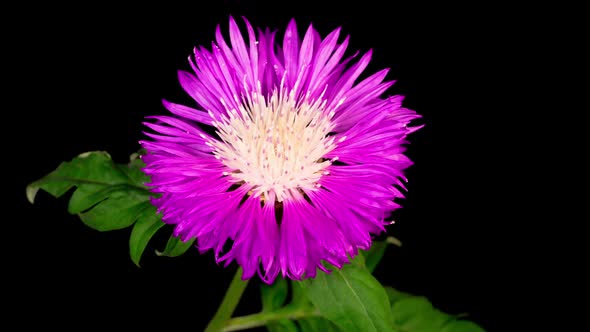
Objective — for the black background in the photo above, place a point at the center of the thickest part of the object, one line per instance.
(86, 76)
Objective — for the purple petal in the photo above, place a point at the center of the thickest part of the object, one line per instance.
(202, 189)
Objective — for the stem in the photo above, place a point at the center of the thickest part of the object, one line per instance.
(229, 303)
(263, 318)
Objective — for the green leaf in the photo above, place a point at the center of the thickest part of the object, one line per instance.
(298, 294)
(118, 211)
(89, 195)
(274, 296)
(108, 196)
(148, 223)
(359, 261)
(462, 326)
(299, 299)
(413, 313)
(394, 295)
(133, 170)
(317, 324)
(352, 299)
(88, 167)
(416, 313)
(374, 254)
(283, 325)
(175, 247)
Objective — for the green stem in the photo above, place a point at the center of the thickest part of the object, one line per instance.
(263, 318)
(229, 303)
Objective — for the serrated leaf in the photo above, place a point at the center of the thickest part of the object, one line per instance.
(175, 247)
(108, 196)
(416, 313)
(351, 298)
(148, 223)
(462, 326)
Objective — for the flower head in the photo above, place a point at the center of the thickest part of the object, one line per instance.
(285, 160)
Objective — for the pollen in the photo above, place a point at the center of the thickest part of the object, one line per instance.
(276, 143)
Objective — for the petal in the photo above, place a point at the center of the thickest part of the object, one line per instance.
(187, 112)
(290, 52)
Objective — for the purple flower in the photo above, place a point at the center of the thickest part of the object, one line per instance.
(284, 161)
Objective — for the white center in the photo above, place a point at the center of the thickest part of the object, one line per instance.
(276, 144)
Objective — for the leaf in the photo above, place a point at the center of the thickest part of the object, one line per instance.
(283, 325)
(317, 324)
(395, 295)
(374, 254)
(108, 196)
(299, 297)
(175, 247)
(415, 313)
(274, 296)
(89, 195)
(133, 170)
(148, 223)
(116, 212)
(462, 326)
(351, 298)
(359, 261)
(87, 167)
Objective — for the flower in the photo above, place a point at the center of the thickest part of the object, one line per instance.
(284, 162)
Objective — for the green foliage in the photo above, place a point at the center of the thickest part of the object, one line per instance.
(273, 298)
(277, 293)
(317, 324)
(175, 247)
(395, 295)
(374, 254)
(351, 299)
(308, 324)
(416, 313)
(147, 225)
(461, 326)
(108, 196)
